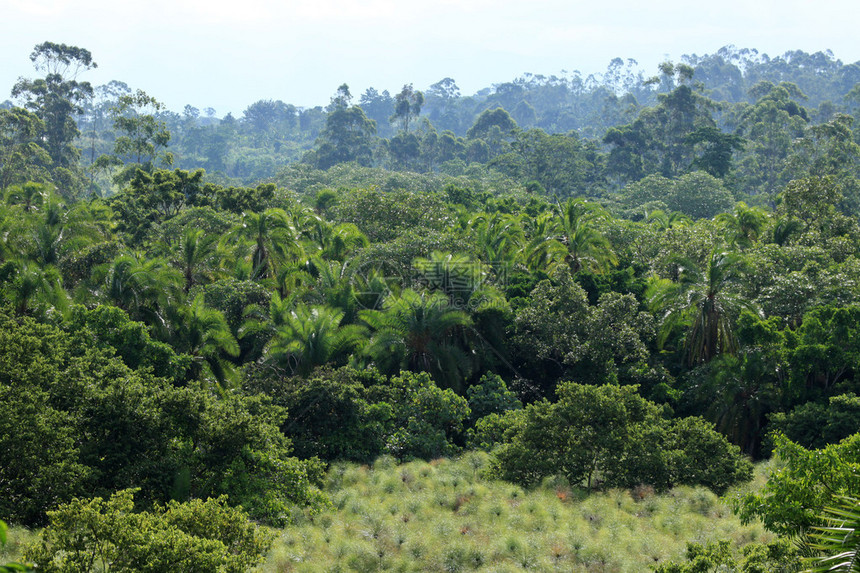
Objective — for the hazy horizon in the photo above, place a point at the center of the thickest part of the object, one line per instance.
(210, 54)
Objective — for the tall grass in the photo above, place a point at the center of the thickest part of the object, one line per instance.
(443, 516)
(17, 539)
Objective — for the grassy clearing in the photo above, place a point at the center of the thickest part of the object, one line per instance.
(443, 516)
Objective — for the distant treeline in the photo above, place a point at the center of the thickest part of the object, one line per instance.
(601, 120)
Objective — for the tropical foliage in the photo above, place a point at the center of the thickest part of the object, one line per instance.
(610, 284)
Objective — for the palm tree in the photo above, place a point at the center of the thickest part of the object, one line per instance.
(313, 229)
(47, 243)
(258, 320)
(463, 280)
(839, 541)
(334, 285)
(456, 276)
(542, 249)
(145, 288)
(311, 337)
(117, 282)
(61, 231)
(48, 234)
(30, 195)
(745, 224)
(784, 229)
(499, 238)
(31, 283)
(331, 241)
(273, 238)
(292, 278)
(371, 288)
(204, 333)
(664, 221)
(260, 324)
(583, 246)
(737, 393)
(197, 253)
(343, 241)
(418, 332)
(703, 300)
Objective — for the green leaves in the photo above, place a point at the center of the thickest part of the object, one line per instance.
(347, 137)
(272, 238)
(142, 136)
(583, 245)
(311, 337)
(417, 331)
(779, 555)
(427, 418)
(793, 497)
(609, 436)
(203, 333)
(839, 541)
(58, 97)
(705, 301)
(407, 107)
(558, 334)
(61, 59)
(198, 536)
(93, 424)
(23, 159)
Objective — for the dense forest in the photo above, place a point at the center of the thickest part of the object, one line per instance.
(556, 291)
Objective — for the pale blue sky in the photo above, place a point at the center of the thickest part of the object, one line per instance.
(229, 54)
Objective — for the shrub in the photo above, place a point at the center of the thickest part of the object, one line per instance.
(794, 496)
(330, 415)
(610, 436)
(491, 396)
(815, 425)
(198, 536)
(94, 425)
(699, 455)
(776, 557)
(428, 418)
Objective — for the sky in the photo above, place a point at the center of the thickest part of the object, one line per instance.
(227, 55)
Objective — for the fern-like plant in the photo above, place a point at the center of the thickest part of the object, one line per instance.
(839, 542)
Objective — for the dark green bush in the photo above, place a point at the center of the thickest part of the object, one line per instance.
(94, 426)
(610, 436)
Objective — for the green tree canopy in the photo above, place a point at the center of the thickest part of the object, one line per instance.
(610, 436)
